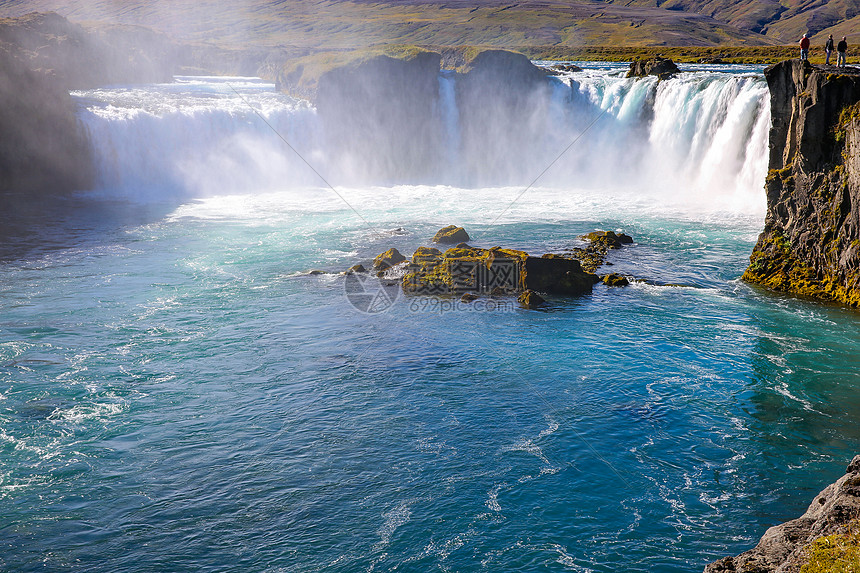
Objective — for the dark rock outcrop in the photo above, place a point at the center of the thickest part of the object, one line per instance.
(557, 275)
(783, 548)
(663, 68)
(810, 245)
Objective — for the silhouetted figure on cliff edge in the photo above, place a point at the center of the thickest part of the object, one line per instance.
(804, 47)
(828, 49)
(841, 48)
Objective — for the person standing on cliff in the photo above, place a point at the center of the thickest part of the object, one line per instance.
(828, 49)
(804, 47)
(841, 48)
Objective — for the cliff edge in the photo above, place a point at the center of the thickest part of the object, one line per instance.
(822, 539)
(810, 245)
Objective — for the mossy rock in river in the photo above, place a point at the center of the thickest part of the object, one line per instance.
(614, 279)
(496, 270)
(388, 259)
(451, 234)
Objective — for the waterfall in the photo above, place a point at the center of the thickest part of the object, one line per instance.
(196, 137)
(697, 136)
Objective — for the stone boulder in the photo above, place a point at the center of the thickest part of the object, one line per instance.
(663, 68)
(557, 275)
(451, 234)
(614, 279)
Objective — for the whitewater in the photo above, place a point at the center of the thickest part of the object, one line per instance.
(179, 393)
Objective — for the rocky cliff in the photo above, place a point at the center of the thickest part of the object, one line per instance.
(810, 245)
(825, 538)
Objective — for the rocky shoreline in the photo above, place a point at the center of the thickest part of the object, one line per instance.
(824, 539)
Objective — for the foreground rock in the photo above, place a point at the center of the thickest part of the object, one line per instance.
(788, 547)
(530, 299)
(663, 68)
(810, 245)
(388, 259)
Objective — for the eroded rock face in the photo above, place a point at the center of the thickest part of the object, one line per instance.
(379, 117)
(781, 549)
(810, 245)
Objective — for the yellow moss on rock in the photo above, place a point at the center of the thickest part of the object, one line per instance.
(836, 553)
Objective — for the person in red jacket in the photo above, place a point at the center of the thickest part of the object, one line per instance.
(804, 47)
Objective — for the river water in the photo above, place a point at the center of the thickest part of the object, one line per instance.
(177, 393)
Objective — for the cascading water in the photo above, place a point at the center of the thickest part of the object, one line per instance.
(698, 138)
(196, 137)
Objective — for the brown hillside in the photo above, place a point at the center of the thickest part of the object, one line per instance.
(358, 23)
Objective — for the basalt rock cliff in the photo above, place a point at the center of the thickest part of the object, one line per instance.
(810, 245)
